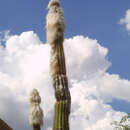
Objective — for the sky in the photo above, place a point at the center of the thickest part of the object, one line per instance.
(97, 34)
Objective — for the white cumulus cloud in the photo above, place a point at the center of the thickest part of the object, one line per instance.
(24, 65)
(126, 20)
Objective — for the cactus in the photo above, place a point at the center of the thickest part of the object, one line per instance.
(55, 36)
(36, 113)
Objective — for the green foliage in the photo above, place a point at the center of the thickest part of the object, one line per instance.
(123, 124)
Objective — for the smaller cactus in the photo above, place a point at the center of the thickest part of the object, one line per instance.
(36, 113)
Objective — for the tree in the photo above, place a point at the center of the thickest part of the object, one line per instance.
(123, 124)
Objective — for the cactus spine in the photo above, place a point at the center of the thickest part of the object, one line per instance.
(55, 36)
(36, 113)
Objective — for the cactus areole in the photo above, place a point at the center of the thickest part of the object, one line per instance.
(55, 26)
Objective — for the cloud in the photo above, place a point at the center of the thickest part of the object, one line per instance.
(24, 65)
(126, 20)
(87, 56)
(89, 111)
(113, 86)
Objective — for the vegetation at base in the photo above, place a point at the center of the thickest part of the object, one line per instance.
(123, 124)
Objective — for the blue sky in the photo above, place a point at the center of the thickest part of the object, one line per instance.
(92, 18)
(98, 20)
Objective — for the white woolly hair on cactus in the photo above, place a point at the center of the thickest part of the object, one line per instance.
(53, 2)
(36, 113)
(55, 22)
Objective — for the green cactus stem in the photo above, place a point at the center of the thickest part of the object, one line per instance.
(61, 116)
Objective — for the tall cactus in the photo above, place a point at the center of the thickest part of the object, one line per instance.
(55, 36)
(36, 113)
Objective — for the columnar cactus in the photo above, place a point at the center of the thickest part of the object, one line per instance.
(55, 36)
(36, 113)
